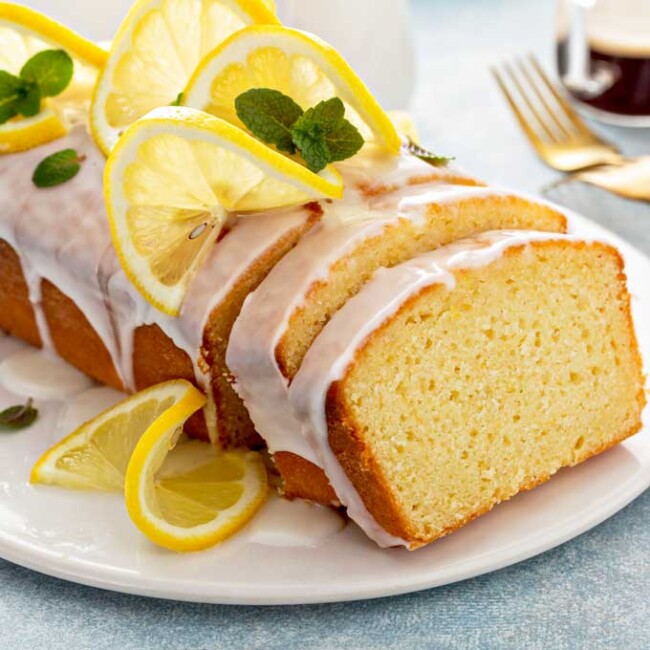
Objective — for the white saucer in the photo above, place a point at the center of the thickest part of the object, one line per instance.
(88, 538)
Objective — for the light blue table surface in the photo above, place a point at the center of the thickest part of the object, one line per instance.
(591, 593)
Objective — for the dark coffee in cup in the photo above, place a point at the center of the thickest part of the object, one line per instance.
(615, 58)
(629, 92)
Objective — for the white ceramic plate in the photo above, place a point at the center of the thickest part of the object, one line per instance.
(88, 538)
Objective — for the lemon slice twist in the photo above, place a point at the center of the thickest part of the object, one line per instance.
(23, 33)
(194, 497)
(185, 496)
(155, 51)
(163, 222)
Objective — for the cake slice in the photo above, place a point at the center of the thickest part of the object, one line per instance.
(281, 319)
(462, 377)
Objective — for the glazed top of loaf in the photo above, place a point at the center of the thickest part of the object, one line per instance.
(62, 234)
(337, 345)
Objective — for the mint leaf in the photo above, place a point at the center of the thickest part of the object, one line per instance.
(57, 168)
(30, 102)
(10, 87)
(17, 96)
(18, 417)
(269, 115)
(310, 139)
(344, 141)
(7, 112)
(327, 113)
(52, 70)
(426, 155)
(11, 91)
(323, 135)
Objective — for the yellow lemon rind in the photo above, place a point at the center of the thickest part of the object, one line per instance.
(53, 32)
(175, 538)
(31, 132)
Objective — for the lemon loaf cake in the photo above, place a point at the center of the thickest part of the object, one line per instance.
(280, 320)
(462, 377)
(63, 288)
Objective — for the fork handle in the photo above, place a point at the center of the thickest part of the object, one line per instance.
(629, 178)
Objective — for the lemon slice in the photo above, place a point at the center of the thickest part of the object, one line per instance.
(295, 63)
(23, 33)
(154, 53)
(164, 222)
(96, 455)
(193, 496)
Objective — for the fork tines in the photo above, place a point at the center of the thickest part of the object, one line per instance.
(543, 113)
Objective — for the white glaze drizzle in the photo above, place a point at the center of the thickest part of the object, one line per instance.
(61, 234)
(264, 318)
(336, 346)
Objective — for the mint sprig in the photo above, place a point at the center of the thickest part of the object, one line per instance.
(321, 134)
(57, 168)
(52, 70)
(46, 74)
(18, 417)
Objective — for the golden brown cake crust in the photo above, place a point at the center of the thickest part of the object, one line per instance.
(346, 436)
(75, 339)
(157, 359)
(449, 177)
(155, 356)
(16, 313)
(235, 427)
(303, 479)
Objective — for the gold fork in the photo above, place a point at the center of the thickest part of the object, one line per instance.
(560, 136)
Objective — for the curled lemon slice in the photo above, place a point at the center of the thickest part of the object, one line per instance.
(23, 33)
(96, 455)
(163, 223)
(295, 63)
(154, 53)
(193, 496)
